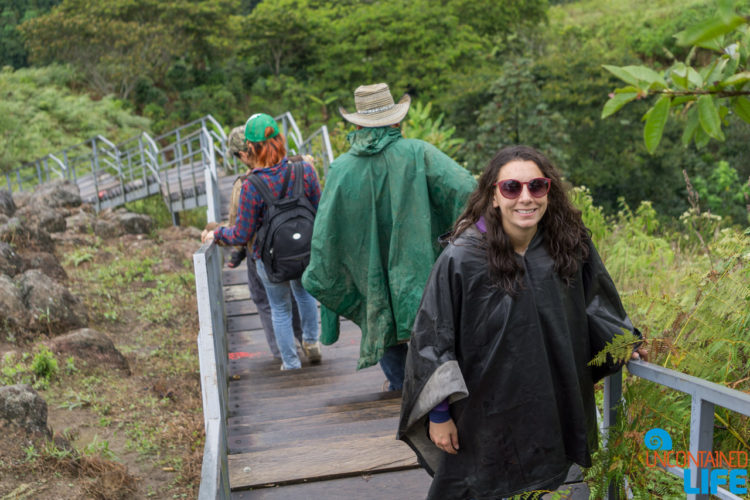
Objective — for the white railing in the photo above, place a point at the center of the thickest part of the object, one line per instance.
(212, 354)
(705, 396)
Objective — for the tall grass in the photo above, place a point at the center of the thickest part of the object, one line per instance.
(691, 299)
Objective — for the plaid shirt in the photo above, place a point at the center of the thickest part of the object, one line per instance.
(252, 208)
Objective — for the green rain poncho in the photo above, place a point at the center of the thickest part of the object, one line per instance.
(384, 205)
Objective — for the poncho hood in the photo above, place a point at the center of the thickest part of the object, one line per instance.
(371, 141)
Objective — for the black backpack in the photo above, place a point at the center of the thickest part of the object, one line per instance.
(285, 234)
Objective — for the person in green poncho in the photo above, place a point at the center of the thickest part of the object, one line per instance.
(385, 203)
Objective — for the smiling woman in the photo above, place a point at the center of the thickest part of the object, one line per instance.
(498, 366)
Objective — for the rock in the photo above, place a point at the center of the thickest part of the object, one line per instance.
(22, 406)
(81, 222)
(4, 219)
(23, 236)
(22, 198)
(7, 206)
(46, 263)
(135, 223)
(51, 306)
(10, 262)
(13, 314)
(92, 346)
(107, 229)
(58, 193)
(51, 220)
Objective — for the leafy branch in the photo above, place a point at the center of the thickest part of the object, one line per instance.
(705, 96)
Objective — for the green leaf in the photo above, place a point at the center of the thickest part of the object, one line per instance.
(737, 79)
(741, 107)
(617, 102)
(678, 74)
(709, 29)
(690, 127)
(622, 74)
(709, 117)
(657, 118)
(694, 78)
(701, 138)
(714, 76)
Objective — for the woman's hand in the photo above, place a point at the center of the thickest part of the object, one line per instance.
(207, 236)
(640, 353)
(445, 436)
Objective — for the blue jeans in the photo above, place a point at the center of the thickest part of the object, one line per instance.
(281, 313)
(393, 364)
(259, 296)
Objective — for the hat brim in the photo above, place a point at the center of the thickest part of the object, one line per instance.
(382, 118)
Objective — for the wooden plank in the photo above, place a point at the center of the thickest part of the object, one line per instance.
(407, 484)
(240, 323)
(237, 308)
(339, 458)
(236, 292)
(317, 406)
(299, 436)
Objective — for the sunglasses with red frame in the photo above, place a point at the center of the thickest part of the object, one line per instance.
(511, 188)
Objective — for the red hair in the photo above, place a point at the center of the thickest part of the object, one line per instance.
(269, 152)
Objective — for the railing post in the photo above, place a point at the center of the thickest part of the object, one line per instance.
(701, 439)
(213, 196)
(612, 398)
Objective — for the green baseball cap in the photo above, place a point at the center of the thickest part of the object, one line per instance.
(255, 128)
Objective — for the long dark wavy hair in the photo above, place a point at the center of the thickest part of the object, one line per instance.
(566, 238)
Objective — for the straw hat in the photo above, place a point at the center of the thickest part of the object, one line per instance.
(375, 107)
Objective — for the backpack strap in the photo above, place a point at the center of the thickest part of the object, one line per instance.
(263, 190)
(299, 175)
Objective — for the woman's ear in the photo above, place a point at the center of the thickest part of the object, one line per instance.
(495, 202)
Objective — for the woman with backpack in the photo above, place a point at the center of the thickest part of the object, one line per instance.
(274, 199)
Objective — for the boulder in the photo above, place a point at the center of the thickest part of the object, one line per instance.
(10, 262)
(92, 346)
(13, 314)
(107, 228)
(7, 207)
(57, 193)
(22, 406)
(22, 198)
(81, 221)
(135, 223)
(26, 237)
(52, 307)
(51, 220)
(46, 263)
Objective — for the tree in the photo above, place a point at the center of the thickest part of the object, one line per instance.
(707, 96)
(115, 43)
(12, 13)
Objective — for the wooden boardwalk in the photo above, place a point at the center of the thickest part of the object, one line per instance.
(326, 424)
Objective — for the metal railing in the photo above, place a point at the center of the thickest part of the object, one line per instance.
(182, 164)
(705, 396)
(212, 354)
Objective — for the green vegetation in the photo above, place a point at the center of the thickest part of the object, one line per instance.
(40, 114)
(670, 221)
(690, 297)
